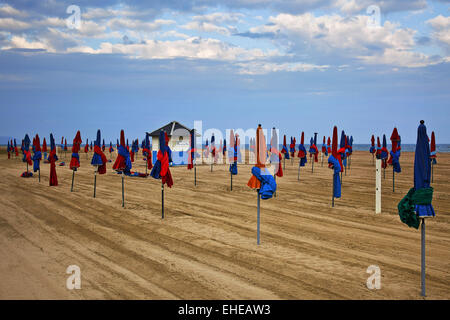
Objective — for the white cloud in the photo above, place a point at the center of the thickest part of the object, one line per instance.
(192, 48)
(206, 27)
(23, 43)
(441, 29)
(337, 38)
(7, 10)
(264, 67)
(11, 24)
(137, 25)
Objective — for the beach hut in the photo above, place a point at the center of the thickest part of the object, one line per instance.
(179, 141)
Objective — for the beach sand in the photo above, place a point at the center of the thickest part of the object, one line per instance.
(205, 248)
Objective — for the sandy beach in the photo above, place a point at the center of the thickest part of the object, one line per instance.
(205, 248)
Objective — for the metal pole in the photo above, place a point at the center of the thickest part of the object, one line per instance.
(162, 201)
(423, 258)
(123, 193)
(73, 176)
(393, 180)
(275, 178)
(332, 194)
(258, 219)
(231, 184)
(432, 172)
(95, 181)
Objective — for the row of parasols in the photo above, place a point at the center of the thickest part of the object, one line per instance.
(413, 208)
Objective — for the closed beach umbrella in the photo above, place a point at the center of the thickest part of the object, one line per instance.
(213, 150)
(433, 154)
(329, 145)
(161, 169)
(52, 158)
(44, 148)
(98, 160)
(232, 155)
(334, 163)
(394, 159)
(292, 147)
(417, 204)
(75, 160)
(373, 150)
(384, 155)
(261, 180)
(26, 151)
(302, 155)
(147, 153)
(123, 162)
(313, 151)
(9, 150)
(224, 150)
(285, 152)
(191, 155)
(37, 157)
(275, 156)
(15, 148)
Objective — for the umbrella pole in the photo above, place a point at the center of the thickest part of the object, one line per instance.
(123, 192)
(39, 173)
(432, 172)
(231, 182)
(95, 180)
(258, 220)
(275, 178)
(284, 163)
(73, 176)
(332, 195)
(423, 258)
(322, 159)
(162, 200)
(27, 168)
(195, 175)
(298, 173)
(312, 164)
(393, 180)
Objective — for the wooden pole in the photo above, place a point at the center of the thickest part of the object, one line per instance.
(312, 159)
(39, 173)
(231, 183)
(378, 187)
(432, 172)
(95, 180)
(393, 180)
(73, 177)
(275, 193)
(298, 173)
(195, 174)
(258, 220)
(162, 200)
(332, 193)
(423, 258)
(123, 191)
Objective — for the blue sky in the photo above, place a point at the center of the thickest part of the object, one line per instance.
(296, 65)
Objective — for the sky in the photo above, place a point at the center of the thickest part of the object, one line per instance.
(362, 65)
